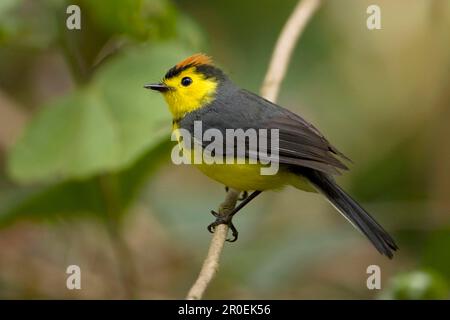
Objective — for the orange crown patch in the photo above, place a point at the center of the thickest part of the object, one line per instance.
(195, 60)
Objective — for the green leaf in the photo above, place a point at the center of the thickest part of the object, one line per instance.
(417, 285)
(62, 200)
(433, 255)
(139, 19)
(102, 127)
(6, 6)
(72, 199)
(132, 179)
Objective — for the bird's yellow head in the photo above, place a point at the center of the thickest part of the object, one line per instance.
(189, 85)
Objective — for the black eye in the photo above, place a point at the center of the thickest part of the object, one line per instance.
(186, 81)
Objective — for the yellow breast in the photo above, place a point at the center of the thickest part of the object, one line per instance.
(244, 176)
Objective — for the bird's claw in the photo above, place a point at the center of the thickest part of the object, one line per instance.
(227, 220)
(243, 196)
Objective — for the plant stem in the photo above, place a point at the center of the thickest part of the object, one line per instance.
(211, 263)
(109, 189)
(277, 70)
(107, 183)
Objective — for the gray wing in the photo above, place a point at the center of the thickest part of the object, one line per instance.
(300, 143)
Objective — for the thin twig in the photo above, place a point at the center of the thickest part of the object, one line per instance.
(285, 46)
(124, 257)
(275, 75)
(211, 263)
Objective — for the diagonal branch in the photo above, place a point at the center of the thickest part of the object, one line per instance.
(277, 70)
(285, 46)
(211, 263)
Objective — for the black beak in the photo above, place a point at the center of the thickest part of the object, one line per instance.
(161, 87)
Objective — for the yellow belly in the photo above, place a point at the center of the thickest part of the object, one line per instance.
(242, 176)
(247, 177)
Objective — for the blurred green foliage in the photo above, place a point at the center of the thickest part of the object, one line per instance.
(97, 128)
(96, 141)
(417, 285)
(108, 121)
(88, 152)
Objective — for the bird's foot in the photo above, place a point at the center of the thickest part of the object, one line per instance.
(227, 220)
(243, 196)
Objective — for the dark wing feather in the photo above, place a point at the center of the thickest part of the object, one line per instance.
(300, 143)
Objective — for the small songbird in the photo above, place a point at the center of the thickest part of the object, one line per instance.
(196, 90)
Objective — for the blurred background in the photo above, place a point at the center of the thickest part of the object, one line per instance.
(86, 178)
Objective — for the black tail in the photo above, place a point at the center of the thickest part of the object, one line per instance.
(351, 210)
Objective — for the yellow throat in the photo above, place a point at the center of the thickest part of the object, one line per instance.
(184, 99)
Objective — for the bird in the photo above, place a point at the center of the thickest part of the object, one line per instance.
(195, 89)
